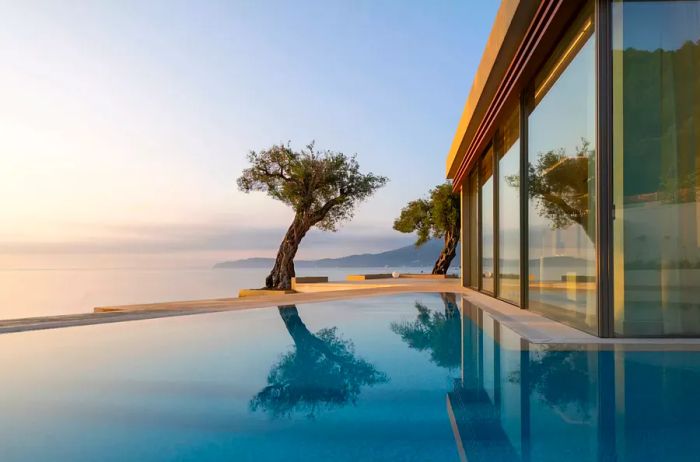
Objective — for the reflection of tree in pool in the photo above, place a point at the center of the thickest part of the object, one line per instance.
(321, 371)
(560, 183)
(562, 379)
(440, 333)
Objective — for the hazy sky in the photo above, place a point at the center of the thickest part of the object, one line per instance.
(123, 125)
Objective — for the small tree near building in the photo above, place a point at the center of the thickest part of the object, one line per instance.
(322, 187)
(435, 217)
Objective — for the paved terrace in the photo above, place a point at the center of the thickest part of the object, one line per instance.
(307, 293)
(532, 327)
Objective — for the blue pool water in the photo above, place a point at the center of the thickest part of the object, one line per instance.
(410, 377)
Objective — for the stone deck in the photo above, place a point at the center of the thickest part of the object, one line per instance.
(532, 327)
(307, 293)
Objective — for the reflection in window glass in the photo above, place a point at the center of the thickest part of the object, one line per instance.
(561, 182)
(486, 196)
(509, 211)
(656, 156)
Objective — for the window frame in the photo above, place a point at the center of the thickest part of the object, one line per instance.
(602, 22)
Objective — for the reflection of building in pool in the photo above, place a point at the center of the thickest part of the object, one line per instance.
(578, 163)
(521, 402)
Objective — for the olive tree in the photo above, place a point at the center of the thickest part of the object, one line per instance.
(322, 187)
(435, 217)
(321, 371)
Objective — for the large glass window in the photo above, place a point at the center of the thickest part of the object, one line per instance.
(561, 181)
(509, 210)
(656, 160)
(473, 192)
(486, 196)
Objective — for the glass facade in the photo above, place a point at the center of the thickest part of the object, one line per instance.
(487, 228)
(588, 198)
(561, 182)
(509, 210)
(656, 165)
(473, 244)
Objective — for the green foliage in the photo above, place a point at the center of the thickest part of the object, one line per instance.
(320, 372)
(660, 103)
(416, 217)
(323, 187)
(562, 379)
(561, 185)
(676, 188)
(439, 333)
(433, 217)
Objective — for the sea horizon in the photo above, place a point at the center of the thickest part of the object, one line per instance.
(56, 291)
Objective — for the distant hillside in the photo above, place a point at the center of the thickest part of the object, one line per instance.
(402, 257)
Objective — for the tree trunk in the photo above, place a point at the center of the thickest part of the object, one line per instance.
(449, 299)
(302, 336)
(447, 254)
(304, 340)
(282, 273)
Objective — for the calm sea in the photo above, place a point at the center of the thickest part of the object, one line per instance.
(27, 293)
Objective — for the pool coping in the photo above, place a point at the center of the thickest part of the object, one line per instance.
(538, 330)
(124, 313)
(535, 329)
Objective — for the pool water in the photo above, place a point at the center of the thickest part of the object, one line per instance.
(409, 377)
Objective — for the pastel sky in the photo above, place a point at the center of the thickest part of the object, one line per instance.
(123, 125)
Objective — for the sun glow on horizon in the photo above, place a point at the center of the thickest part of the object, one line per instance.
(123, 127)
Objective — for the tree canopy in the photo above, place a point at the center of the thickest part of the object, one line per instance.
(432, 217)
(435, 217)
(320, 372)
(560, 184)
(562, 379)
(436, 332)
(321, 186)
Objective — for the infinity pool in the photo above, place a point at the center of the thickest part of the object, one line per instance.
(410, 377)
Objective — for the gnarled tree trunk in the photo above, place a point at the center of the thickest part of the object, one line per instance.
(447, 254)
(305, 342)
(282, 273)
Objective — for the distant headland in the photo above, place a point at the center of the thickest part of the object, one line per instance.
(408, 256)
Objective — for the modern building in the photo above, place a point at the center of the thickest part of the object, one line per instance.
(578, 161)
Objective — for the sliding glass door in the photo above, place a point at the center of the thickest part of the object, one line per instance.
(472, 236)
(650, 180)
(656, 165)
(561, 181)
(487, 225)
(509, 209)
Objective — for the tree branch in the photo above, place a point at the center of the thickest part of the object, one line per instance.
(321, 213)
(280, 174)
(570, 212)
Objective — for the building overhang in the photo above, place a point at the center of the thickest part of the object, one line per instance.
(520, 40)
